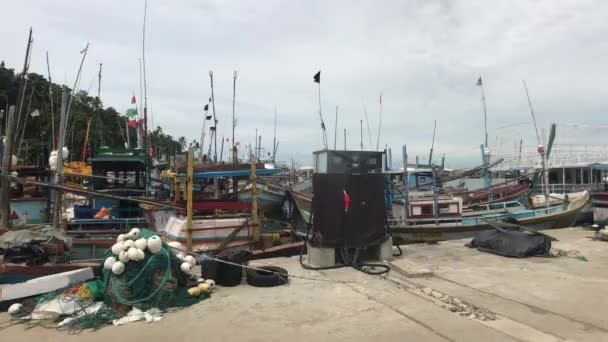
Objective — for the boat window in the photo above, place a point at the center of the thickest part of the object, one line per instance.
(496, 206)
(513, 204)
(481, 208)
(427, 209)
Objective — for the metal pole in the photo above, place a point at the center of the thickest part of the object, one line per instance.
(379, 125)
(435, 199)
(361, 124)
(233, 149)
(406, 187)
(344, 139)
(274, 140)
(336, 128)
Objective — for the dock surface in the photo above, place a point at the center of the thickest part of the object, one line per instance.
(504, 299)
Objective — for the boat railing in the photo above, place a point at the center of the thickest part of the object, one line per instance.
(569, 188)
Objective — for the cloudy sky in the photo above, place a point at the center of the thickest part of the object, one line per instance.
(424, 57)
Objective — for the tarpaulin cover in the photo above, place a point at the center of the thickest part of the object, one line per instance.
(512, 243)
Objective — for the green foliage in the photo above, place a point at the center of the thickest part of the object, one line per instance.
(107, 128)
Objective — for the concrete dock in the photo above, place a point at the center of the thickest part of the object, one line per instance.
(440, 292)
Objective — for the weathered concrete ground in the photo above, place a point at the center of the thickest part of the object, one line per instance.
(504, 299)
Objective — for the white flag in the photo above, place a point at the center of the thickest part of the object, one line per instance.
(35, 113)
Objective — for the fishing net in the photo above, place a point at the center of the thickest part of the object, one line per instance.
(155, 282)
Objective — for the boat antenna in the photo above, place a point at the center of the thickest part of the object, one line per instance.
(432, 144)
(379, 125)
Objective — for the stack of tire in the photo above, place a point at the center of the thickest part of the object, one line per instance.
(230, 273)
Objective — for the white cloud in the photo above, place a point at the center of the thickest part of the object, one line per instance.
(424, 56)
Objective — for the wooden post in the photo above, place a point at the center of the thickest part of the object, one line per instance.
(254, 203)
(59, 173)
(5, 184)
(189, 199)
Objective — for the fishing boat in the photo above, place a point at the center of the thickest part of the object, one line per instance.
(301, 194)
(221, 219)
(119, 172)
(457, 225)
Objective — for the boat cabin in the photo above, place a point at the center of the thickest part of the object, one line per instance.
(578, 177)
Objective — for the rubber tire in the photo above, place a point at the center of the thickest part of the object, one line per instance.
(259, 278)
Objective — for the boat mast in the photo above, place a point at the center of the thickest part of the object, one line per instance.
(432, 144)
(369, 132)
(336, 129)
(24, 79)
(48, 68)
(379, 125)
(233, 149)
(317, 79)
(540, 149)
(214, 119)
(143, 58)
(361, 125)
(486, 149)
(274, 139)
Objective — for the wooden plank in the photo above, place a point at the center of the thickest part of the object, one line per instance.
(45, 284)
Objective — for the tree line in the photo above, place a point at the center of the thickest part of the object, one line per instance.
(107, 124)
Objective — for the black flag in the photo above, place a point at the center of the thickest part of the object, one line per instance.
(479, 82)
(317, 77)
(206, 107)
(208, 117)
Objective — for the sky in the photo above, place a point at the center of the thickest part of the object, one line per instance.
(424, 57)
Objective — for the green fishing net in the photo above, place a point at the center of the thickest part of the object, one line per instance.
(155, 282)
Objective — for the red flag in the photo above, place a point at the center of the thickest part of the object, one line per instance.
(133, 101)
(141, 122)
(133, 123)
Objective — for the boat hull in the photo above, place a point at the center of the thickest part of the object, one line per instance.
(554, 219)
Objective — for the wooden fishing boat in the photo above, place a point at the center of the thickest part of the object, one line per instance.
(437, 229)
(301, 194)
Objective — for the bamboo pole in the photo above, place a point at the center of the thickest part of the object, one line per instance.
(189, 200)
(254, 203)
(5, 197)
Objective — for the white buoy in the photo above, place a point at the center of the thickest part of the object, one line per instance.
(180, 256)
(132, 253)
(109, 263)
(15, 309)
(177, 245)
(120, 238)
(141, 244)
(123, 257)
(129, 244)
(200, 280)
(185, 267)
(140, 255)
(155, 244)
(135, 232)
(118, 268)
(190, 259)
(117, 248)
(211, 283)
